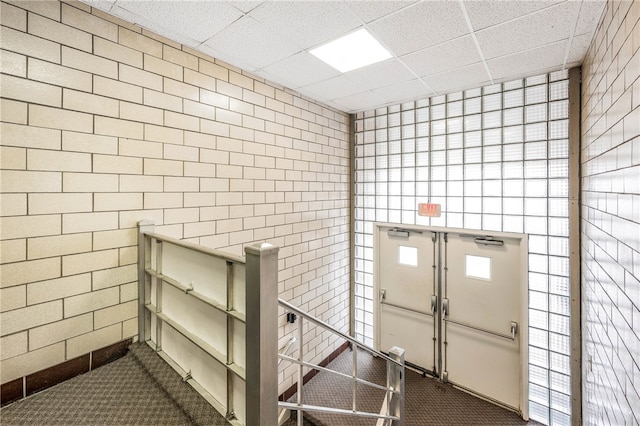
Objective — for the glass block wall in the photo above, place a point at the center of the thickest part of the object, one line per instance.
(496, 159)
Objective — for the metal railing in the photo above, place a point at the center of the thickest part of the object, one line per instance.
(213, 317)
(392, 411)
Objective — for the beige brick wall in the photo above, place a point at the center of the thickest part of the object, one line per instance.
(105, 124)
(611, 219)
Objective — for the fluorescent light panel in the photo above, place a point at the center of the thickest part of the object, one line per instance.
(352, 51)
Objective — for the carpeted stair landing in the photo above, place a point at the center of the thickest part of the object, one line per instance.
(137, 389)
(427, 400)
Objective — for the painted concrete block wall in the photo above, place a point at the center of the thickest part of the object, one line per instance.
(105, 124)
(611, 219)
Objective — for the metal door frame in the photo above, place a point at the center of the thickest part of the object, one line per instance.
(523, 325)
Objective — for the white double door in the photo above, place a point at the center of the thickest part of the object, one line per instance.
(455, 300)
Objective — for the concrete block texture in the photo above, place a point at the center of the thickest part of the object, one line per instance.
(611, 219)
(105, 124)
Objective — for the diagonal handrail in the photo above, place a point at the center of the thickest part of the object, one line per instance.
(334, 330)
(393, 404)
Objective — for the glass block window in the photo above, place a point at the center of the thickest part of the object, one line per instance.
(496, 159)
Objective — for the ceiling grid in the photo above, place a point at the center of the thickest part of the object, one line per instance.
(437, 46)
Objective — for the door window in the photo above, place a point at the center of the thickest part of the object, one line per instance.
(477, 267)
(408, 256)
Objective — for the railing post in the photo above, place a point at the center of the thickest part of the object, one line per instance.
(144, 226)
(262, 335)
(396, 405)
(300, 384)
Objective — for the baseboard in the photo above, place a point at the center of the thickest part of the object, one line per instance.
(333, 355)
(28, 385)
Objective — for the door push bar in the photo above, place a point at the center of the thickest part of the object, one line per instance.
(513, 330)
(512, 336)
(383, 296)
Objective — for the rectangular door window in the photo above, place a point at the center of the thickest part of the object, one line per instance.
(477, 267)
(408, 255)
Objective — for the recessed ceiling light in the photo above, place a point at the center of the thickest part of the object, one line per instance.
(352, 51)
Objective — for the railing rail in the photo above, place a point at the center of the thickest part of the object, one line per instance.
(289, 307)
(392, 411)
(195, 247)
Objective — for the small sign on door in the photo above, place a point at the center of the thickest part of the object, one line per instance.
(428, 209)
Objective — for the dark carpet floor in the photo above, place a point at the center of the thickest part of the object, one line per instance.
(137, 389)
(427, 401)
(141, 389)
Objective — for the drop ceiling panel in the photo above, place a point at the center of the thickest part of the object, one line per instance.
(409, 90)
(579, 46)
(590, 12)
(245, 5)
(538, 29)
(252, 43)
(451, 54)
(333, 88)
(467, 77)
(307, 23)
(359, 102)
(420, 26)
(199, 19)
(386, 73)
(484, 14)
(527, 63)
(301, 69)
(369, 11)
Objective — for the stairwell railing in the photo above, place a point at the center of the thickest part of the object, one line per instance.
(213, 317)
(392, 411)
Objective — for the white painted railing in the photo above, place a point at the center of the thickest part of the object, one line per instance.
(213, 317)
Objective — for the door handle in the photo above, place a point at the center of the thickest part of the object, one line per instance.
(445, 307)
(434, 303)
(514, 329)
(383, 294)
